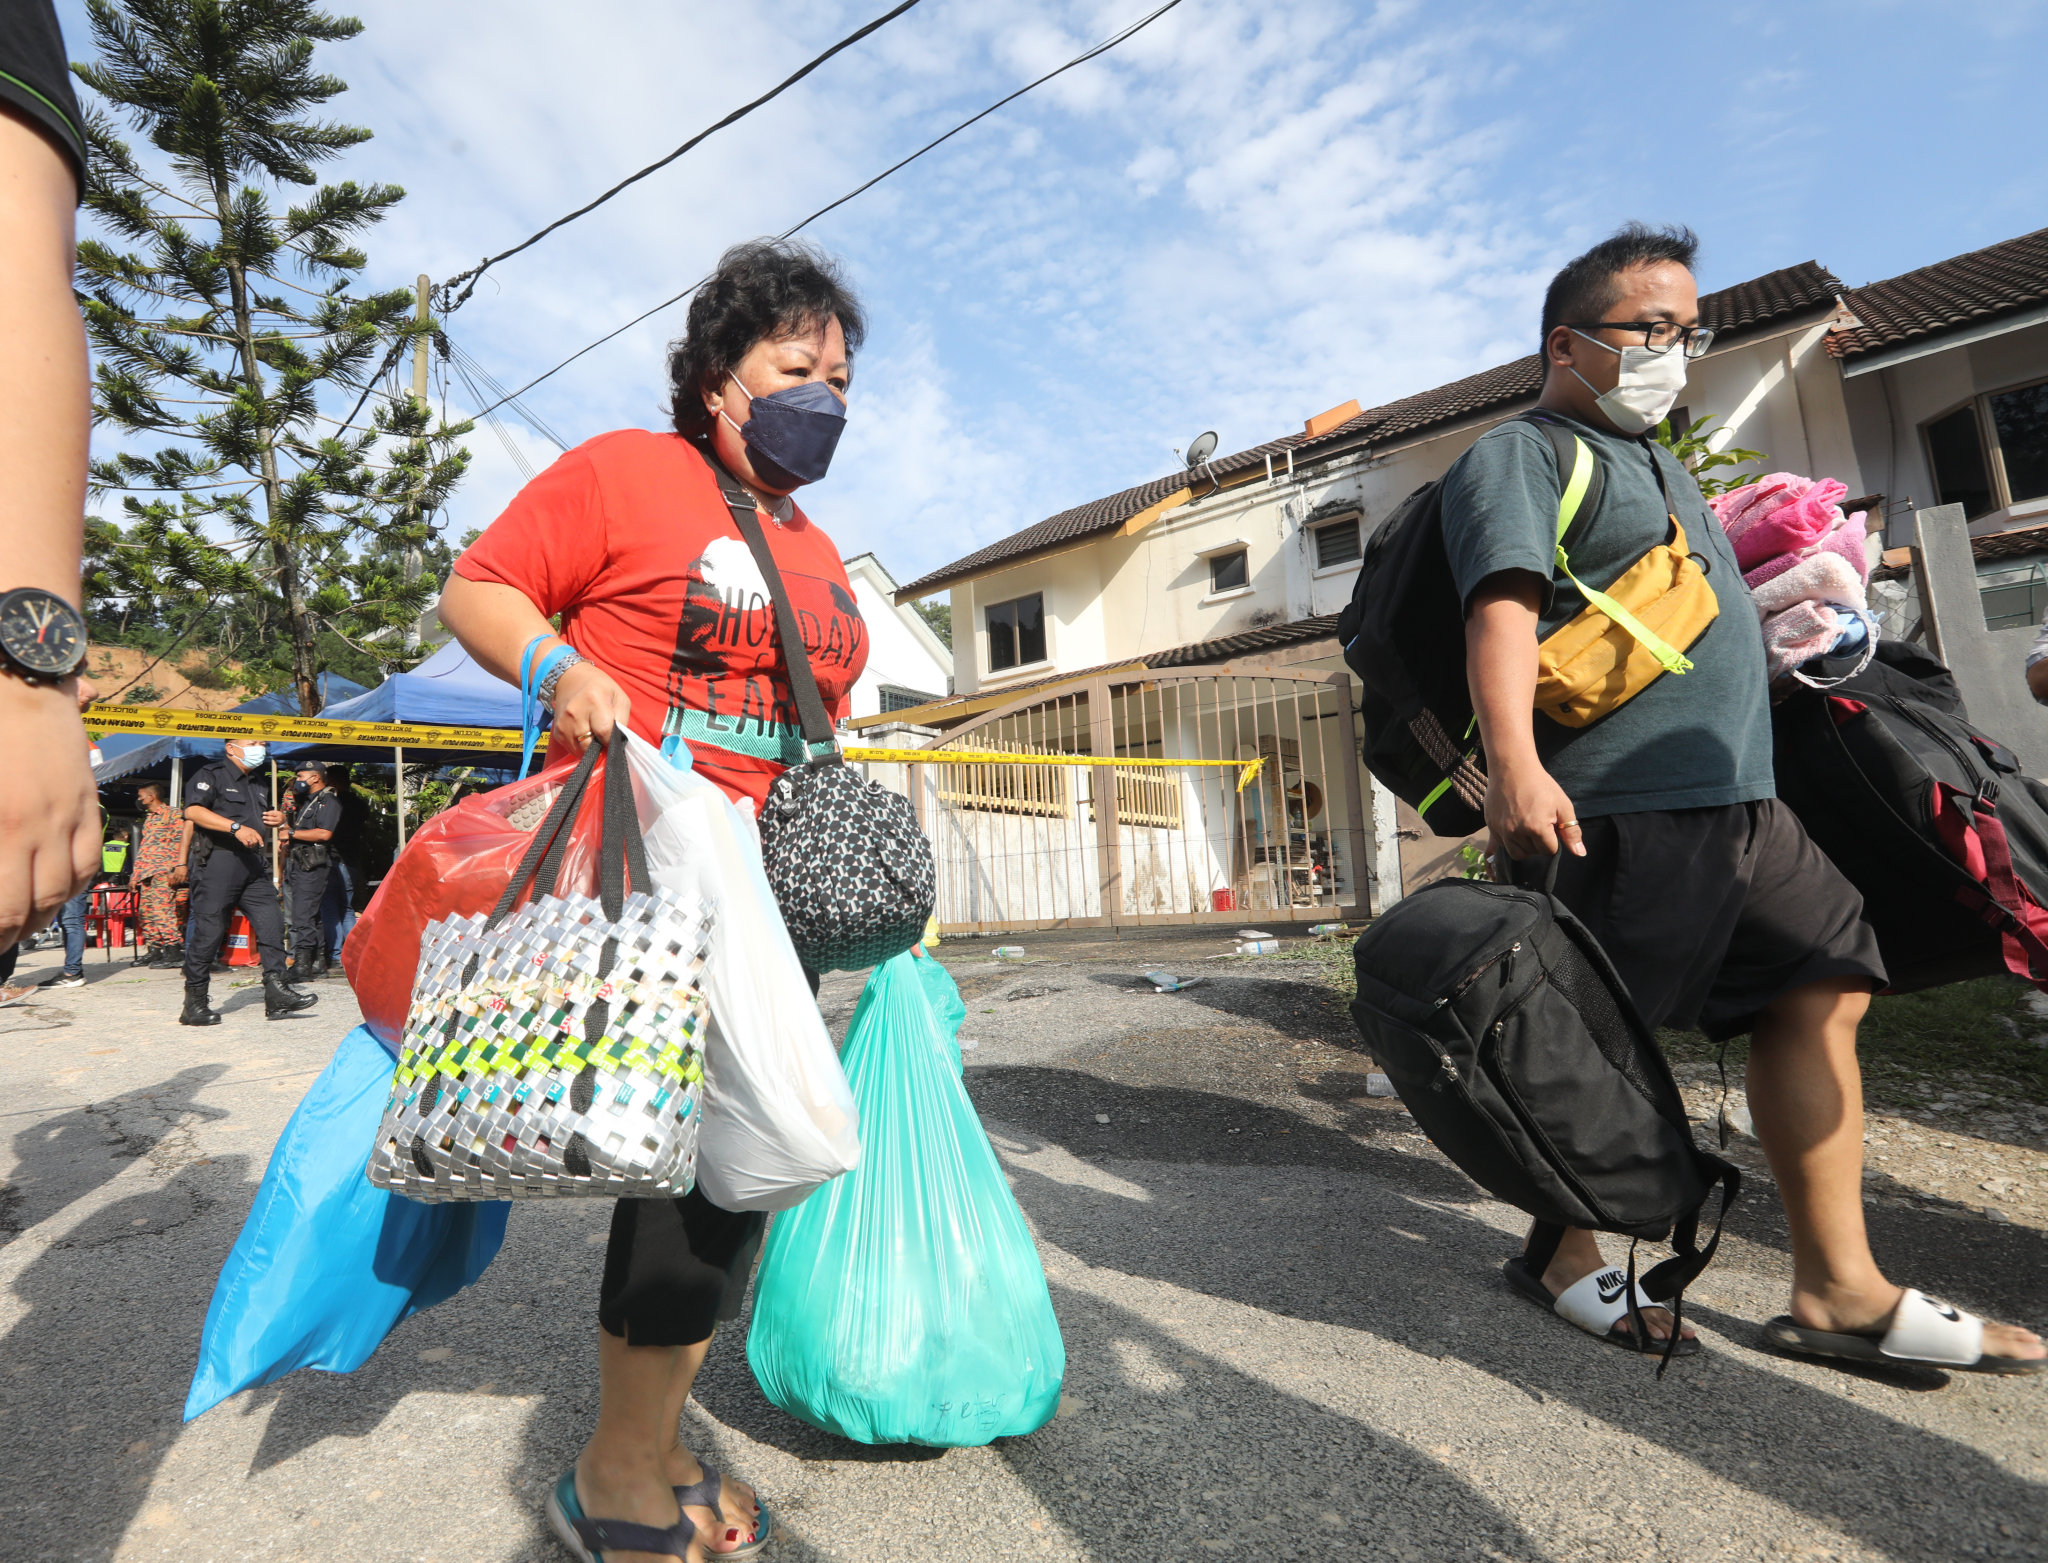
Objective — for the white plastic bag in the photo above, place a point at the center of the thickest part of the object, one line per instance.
(778, 1117)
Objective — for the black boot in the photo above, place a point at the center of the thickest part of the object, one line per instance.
(195, 1012)
(281, 999)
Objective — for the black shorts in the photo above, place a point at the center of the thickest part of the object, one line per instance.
(675, 1269)
(1711, 914)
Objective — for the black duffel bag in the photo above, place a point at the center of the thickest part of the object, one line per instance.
(1930, 818)
(1511, 1039)
(852, 872)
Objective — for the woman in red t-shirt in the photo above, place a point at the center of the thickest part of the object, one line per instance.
(629, 539)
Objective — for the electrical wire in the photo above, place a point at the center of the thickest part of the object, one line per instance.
(1080, 59)
(468, 279)
(475, 374)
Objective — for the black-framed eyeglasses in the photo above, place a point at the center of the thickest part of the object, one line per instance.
(1659, 336)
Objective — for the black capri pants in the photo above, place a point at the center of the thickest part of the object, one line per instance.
(675, 1269)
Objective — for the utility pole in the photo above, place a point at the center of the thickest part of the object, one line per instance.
(419, 393)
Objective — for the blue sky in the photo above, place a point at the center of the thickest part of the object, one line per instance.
(1248, 214)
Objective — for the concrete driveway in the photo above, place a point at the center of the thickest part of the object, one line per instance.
(1287, 1335)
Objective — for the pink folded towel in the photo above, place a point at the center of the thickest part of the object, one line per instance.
(1851, 540)
(1819, 577)
(1802, 632)
(1793, 526)
(1741, 508)
(1770, 569)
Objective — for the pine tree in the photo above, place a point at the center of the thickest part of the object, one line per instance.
(231, 345)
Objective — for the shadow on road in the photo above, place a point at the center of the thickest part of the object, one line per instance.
(1403, 1267)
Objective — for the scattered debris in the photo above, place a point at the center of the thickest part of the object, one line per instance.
(1327, 931)
(1033, 990)
(1255, 933)
(1266, 946)
(2003, 1188)
(1008, 952)
(1377, 1084)
(968, 1044)
(1102, 1117)
(1166, 982)
(1735, 1118)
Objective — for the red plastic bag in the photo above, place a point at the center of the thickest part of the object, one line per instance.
(458, 864)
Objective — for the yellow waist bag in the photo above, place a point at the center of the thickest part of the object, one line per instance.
(1627, 635)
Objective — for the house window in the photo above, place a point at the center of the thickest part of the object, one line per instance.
(1230, 572)
(1006, 789)
(896, 698)
(1992, 453)
(1337, 543)
(2021, 419)
(2015, 595)
(1016, 632)
(1957, 453)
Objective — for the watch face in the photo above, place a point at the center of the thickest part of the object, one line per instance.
(41, 631)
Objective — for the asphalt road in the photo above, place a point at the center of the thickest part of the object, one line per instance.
(1287, 1335)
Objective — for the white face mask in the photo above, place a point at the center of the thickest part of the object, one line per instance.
(254, 755)
(1648, 387)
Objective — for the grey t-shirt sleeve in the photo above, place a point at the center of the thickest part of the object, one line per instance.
(1500, 509)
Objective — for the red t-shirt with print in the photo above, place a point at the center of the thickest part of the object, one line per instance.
(629, 539)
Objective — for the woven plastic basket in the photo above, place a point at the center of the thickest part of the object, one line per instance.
(556, 1049)
(506, 1090)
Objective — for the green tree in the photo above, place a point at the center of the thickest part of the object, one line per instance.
(1690, 445)
(221, 315)
(939, 615)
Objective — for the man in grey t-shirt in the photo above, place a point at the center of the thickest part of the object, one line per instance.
(1715, 908)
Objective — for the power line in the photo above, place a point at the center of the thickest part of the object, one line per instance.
(1080, 59)
(471, 276)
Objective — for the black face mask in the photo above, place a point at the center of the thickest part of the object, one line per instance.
(300, 789)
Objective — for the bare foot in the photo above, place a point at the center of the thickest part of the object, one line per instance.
(1577, 1257)
(740, 1510)
(643, 1496)
(1869, 1312)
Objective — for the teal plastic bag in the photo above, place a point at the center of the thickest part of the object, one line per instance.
(903, 1302)
(948, 1008)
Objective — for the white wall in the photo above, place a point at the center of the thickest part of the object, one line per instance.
(901, 648)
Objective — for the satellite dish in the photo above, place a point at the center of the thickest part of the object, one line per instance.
(1203, 448)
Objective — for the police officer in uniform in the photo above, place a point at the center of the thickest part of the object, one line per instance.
(316, 820)
(231, 829)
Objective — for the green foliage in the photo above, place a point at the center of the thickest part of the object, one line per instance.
(939, 615)
(1690, 446)
(253, 519)
(142, 695)
(1472, 862)
(1965, 1035)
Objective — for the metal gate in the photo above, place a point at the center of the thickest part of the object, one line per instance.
(1039, 846)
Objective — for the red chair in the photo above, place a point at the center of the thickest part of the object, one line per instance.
(117, 909)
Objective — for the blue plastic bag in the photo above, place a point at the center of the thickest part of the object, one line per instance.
(327, 1263)
(903, 1302)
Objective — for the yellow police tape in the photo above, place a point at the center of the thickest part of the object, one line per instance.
(296, 729)
(1246, 769)
(414, 735)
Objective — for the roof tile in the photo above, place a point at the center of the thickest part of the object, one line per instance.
(1982, 285)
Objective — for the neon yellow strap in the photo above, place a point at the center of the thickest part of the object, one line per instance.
(1672, 660)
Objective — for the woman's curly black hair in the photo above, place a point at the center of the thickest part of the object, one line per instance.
(763, 288)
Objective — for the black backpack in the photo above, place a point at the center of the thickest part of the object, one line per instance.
(1403, 633)
(1928, 817)
(1508, 1035)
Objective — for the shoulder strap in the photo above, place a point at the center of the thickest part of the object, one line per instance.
(1578, 471)
(803, 684)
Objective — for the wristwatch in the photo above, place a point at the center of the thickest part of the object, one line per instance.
(42, 637)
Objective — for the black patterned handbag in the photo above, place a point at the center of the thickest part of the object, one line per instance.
(851, 870)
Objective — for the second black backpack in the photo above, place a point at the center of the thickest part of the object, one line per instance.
(1928, 817)
(1511, 1039)
(1403, 633)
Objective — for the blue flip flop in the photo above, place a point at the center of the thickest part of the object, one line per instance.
(708, 1492)
(588, 1538)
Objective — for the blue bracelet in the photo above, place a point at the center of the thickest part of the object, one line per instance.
(528, 728)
